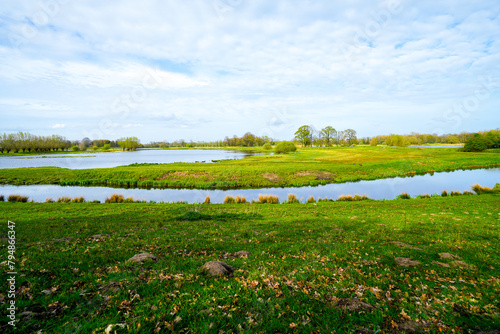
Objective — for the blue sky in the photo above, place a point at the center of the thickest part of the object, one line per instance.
(206, 69)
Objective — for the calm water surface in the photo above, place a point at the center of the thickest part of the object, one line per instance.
(118, 158)
(376, 189)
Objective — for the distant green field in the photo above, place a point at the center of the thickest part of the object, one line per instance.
(309, 166)
(323, 267)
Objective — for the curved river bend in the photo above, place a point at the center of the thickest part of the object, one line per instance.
(376, 189)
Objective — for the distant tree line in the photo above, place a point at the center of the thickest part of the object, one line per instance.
(247, 140)
(420, 139)
(26, 142)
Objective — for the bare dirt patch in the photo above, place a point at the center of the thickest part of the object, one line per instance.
(406, 262)
(353, 304)
(271, 177)
(441, 264)
(320, 175)
(461, 264)
(448, 256)
(403, 245)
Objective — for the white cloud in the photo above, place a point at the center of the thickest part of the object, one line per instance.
(58, 126)
(229, 69)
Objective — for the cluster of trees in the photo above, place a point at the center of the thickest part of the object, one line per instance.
(417, 139)
(328, 136)
(129, 143)
(26, 142)
(247, 140)
(481, 141)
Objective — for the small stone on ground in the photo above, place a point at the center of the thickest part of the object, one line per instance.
(217, 268)
(139, 258)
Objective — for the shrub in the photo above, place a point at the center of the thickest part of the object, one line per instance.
(115, 198)
(343, 198)
(360, 198)
(424, 196)
(267, 147)
(75, 148)
(477, 143)
(292, 199)
(207, 200)
(49, 200)
(17, 198)
(229, 200)
(285, 147)
(485, 190)
(79, 200)
(467, 193)
(95, 148)
(374, 142)
(241, 199)
(455, 193)
(64, 199)
(106, 147)
(404, 196)
(311, 200)
(2, 198)
(444, 193)
(270, 199)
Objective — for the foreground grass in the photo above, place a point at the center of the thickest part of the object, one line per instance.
(311, 166)
(311, 266)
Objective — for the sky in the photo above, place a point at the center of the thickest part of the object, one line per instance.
(204, 69)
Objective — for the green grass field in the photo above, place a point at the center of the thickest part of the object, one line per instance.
(323, 267)
(309, 166)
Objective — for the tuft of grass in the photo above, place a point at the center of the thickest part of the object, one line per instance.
(17, 198)
(424, 196)
(241, 199)
(311, 200)
(207, 200)
(403, 196)
(485, 190)
(115, 198)
(79, 200)
(292, 199)
(269, 199)
(49, 200)
(229, 200)
(344, 198)
(64, 199)
(455, 193)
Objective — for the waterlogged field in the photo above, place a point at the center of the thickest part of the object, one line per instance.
(360, 267)
(310, 166)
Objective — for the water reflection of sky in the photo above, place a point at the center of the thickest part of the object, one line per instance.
(117, 158)
(376, 189)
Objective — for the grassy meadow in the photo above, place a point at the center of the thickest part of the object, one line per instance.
(312, 268)
(308, 166)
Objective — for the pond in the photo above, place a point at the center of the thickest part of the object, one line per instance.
(460, 180)
(118, 158)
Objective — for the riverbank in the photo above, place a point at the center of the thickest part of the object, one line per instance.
(306, 167)
(323, 267)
